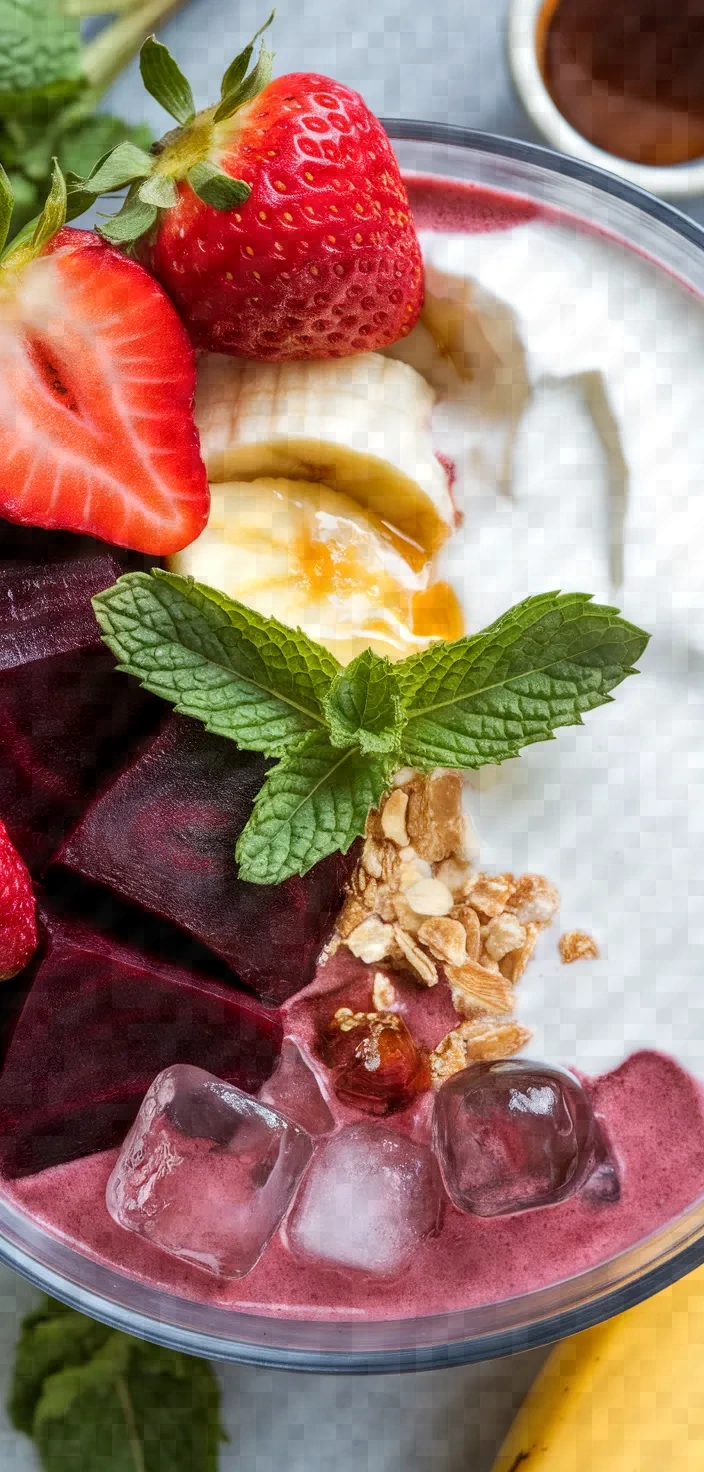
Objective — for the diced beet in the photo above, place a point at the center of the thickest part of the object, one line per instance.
(163, 835)
(101, 1020)
(65, 711)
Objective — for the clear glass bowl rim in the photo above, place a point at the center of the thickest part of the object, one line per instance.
(525, 1322)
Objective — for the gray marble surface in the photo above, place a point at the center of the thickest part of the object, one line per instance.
(446, 62)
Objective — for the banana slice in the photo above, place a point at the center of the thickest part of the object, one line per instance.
(361, 425)
(308, 555)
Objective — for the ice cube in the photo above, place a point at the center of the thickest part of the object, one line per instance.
(512, 1135)
(163, 836)
(295, 1091)
(369, 1200)
(100, 1021)
(206, 1172)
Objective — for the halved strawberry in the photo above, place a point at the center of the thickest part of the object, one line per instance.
(96, 393)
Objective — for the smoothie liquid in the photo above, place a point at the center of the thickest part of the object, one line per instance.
(650, 1109)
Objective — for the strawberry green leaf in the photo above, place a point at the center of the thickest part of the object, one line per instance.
(314, 803)
(244, 676)
(363, 706)
(123, 165)
(217, 188)
(53, 215)
(131, 222)
(7, 204)
(163, 78)
(257, 80)
(159, 190)
(237, 70)
(481, 699)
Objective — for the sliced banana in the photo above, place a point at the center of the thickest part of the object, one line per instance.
(361, 425)
(308, 555)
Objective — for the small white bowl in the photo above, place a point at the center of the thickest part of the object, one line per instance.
(676, 181)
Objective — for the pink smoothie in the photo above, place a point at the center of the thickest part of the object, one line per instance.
(651, 1112)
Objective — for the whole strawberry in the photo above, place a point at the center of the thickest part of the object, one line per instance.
(277, 221)
(18, 926)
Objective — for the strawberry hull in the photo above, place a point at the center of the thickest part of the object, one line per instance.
(65, 713)
(162, 835)
(100, 1021)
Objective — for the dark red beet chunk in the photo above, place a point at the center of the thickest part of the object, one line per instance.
(65, 712)
(101, 1020)
(163, 835)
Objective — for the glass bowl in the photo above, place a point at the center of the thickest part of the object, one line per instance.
(531, 1319)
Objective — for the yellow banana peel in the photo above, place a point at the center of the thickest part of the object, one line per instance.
(626, 1396)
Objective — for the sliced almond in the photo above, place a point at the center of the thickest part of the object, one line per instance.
(417, 959)
(407, 918)
(535, 899)
(429, 897)
(503, 934)
(514, 964)
(475, 989)
(412, 870)
(371, 941)
(490, 893)
(383, 993)
(445, 939)
(455, 874)
(469, 920)
(393, 818)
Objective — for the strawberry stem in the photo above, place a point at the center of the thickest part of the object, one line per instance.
(106, 56)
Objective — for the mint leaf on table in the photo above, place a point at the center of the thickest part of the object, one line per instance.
(314, 803)
(40, 53)
(96, 1400)
(481, 699)
(363, 706)
(244, 676)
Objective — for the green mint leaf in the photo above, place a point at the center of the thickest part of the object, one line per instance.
(130, 223)
(363, 706)
(217, 188)
(244, 676)
(257, 80)
(7, 204)
(159, 190)
(163, 78)
(52, 1338)
(481, 699)
(128, 1407)
(40, 52)
(123, 166)
(314, 803)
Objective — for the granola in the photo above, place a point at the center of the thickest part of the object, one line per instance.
(481, 1040)
(417, 903)
(577, 945)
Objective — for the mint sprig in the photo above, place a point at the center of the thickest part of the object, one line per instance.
(314, 803)
(339, 733)
(246, 677)
(92, 1397)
